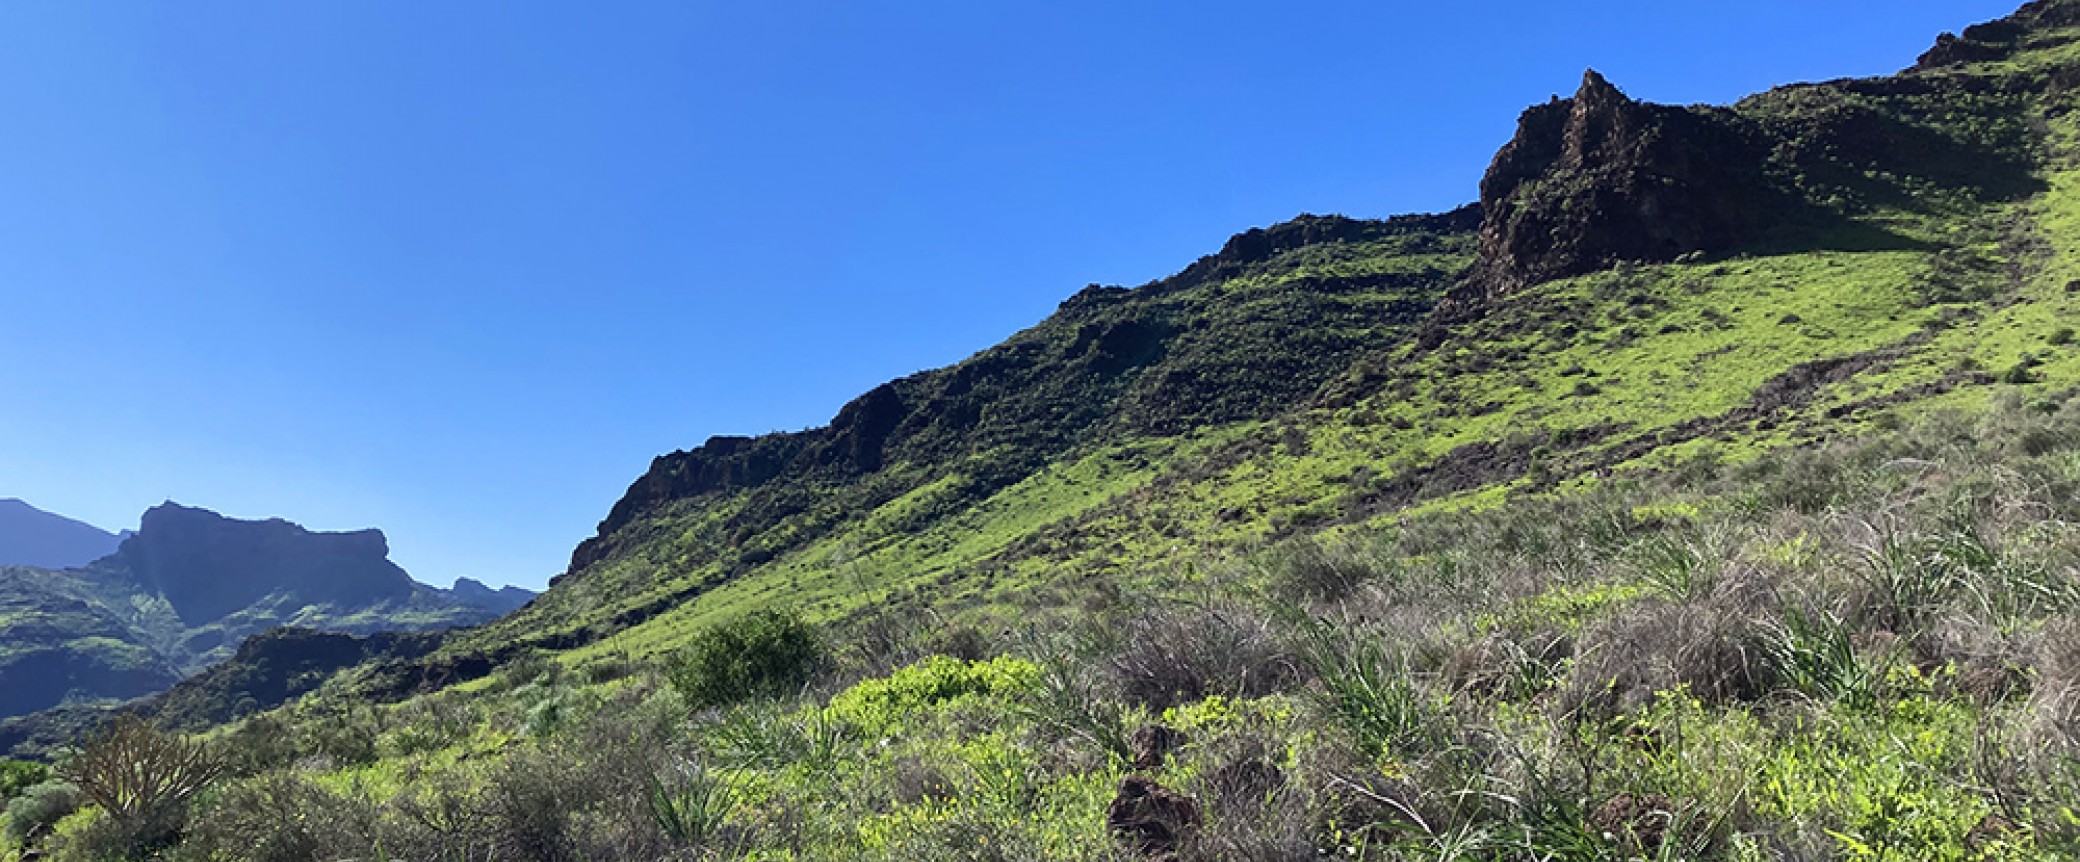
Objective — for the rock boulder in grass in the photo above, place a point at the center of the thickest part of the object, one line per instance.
(1152, 820)
(1637, 823)
(1154, 743)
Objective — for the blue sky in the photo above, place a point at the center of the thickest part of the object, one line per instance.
(459, 270)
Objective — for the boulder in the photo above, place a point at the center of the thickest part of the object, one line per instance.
(1151, 819)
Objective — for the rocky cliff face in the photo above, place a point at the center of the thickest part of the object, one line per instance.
(208, 566)
(1998, 40)
(1600, 178)
(188, 588)
(1163, 358)
(474, 593)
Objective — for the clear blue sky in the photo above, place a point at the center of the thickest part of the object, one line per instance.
(459, 270)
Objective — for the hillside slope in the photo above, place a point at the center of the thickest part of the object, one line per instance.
(1705, 491)
(1637, 283)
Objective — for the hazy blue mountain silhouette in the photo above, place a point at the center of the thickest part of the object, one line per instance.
(33, 537)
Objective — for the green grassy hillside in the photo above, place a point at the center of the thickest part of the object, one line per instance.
(1704, 492)
(1293, 383)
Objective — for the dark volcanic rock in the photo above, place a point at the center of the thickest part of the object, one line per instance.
(273, 667)
(1996, 40)
(1257, 245)
(724, 463)
(1151, 819)
(1600, 178)
(1154, 743)
(209, 566)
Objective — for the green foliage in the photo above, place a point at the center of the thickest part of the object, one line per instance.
(690, 804)
(2020, 373)
(1814, 654)
(761, 654)
(17, 776)
(1374, 693)
(142, 778)
(37, 809)
(1728, 559)
(876, 704)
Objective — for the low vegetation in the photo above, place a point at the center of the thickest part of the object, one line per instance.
(1865, 651)
(1326, 547)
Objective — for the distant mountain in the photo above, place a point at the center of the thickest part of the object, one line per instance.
(183, 592)
(503, 600)
(32, 537)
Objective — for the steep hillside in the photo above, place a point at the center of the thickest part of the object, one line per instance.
(1240, 336)
(32, 537)
(1638, 282)
(1705, 491)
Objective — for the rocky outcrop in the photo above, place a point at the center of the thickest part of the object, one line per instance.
(1258, 245)
(274, 667)
(208, 566)
(474, 593)
(1998, 40)
(1152, 820)
(1600, 178)
(724, 463)
(184, 592)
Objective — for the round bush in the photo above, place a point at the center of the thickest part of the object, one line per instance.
(38, 808)
(762, 653)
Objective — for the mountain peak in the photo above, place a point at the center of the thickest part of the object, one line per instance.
(33, 537)
(208, 565)
(1596, 87)
(1601, 177)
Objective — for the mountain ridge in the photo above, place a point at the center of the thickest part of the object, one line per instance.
(1589, 168)
(33, 537)
(1705, 490)
(183, 592)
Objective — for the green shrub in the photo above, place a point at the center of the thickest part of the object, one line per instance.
(17, 776)
(281, 817)
(35, 810)
(2061, 336)
(260, 743)
(1173, 655)
(2020, 373)
(763, 653)
(688, 803)
(143, 778)
(877, 703)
